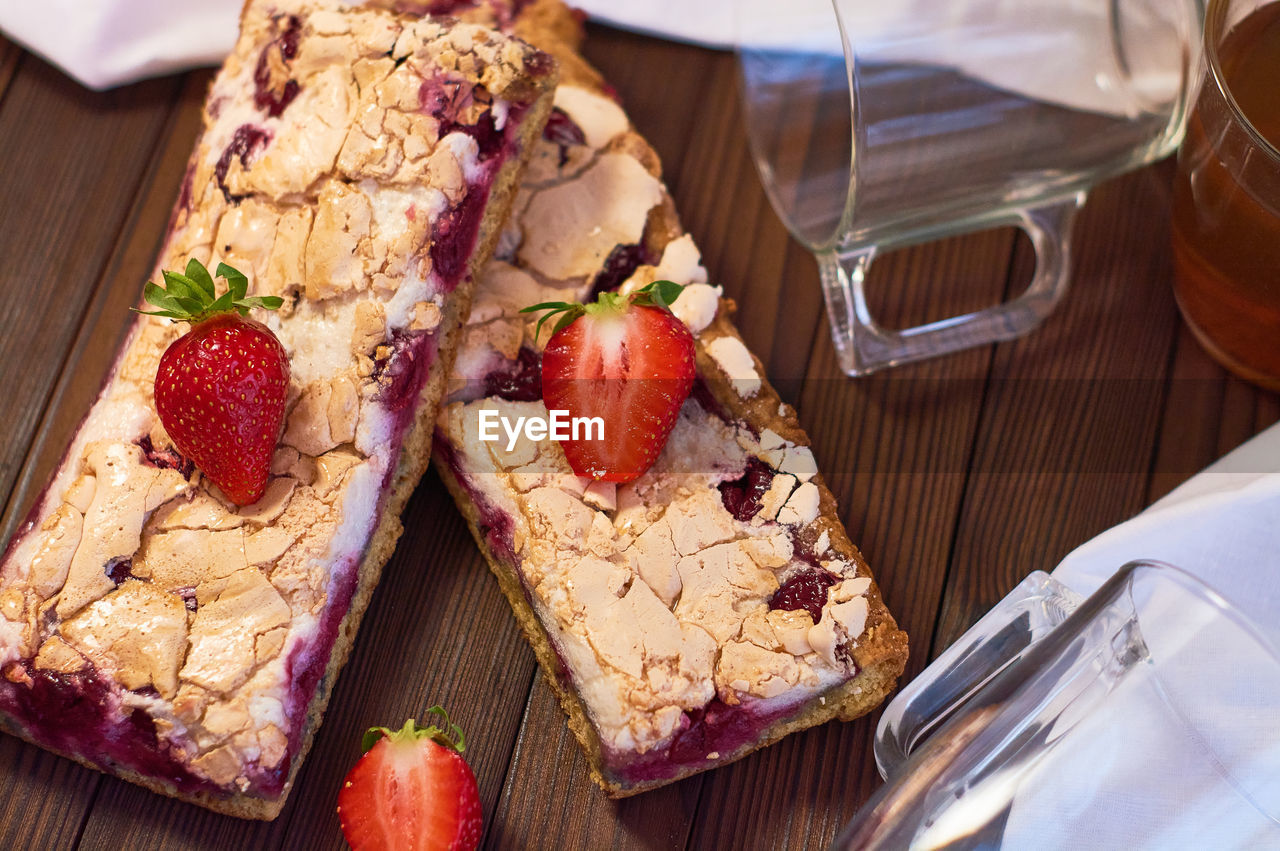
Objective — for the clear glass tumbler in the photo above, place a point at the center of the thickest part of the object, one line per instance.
(1147, 718)
(876, 125)
(1226, 233)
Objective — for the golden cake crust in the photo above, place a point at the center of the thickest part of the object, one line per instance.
(338, 144)
(611, 171)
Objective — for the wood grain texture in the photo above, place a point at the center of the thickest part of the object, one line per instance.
(954, 477)
(10, 54)
(698, 134)
(893, 430)
(106, 301)
(51, 291)
(74, 162)
(46, 798)
(550, 802)
(437, 632)
(1069, 427)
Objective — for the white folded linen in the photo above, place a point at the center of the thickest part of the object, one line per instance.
(109, 42)
(105, 43)
(1223, 526)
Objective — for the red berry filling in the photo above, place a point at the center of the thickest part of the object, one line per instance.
(446, 98)
(268, 94)
(621, 264)
(81, 713)
(119, 569)
(806, 590)
(403, 372)
(742, 496)
(167, 459)
(247, 142)
(701, 394)
(455, 235)
(496, 526)
(517, 381)
(561, 130)
(715, 731)
(455, 231)
(308, 661)
(539, 64)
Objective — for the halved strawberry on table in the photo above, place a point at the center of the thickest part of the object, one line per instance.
(221, 388)
(627, 360)
(412, 790)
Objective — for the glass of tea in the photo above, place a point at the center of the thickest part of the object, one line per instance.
(1226, 225)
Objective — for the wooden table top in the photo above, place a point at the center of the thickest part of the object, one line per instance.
(956, 477)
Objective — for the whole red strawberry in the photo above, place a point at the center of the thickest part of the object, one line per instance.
(626, 360)
(411, 790)
(221, 388)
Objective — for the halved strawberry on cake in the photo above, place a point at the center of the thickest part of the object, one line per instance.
(688, 612)
(356, 166)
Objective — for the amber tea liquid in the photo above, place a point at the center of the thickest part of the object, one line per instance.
(1226, 220)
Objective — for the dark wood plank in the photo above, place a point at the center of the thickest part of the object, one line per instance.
(1068, 432)
(549, 801)
(894, 450)
(128, 816)
(697, 129)
(547, 764)
(1190, 424)
(74, 160)
(106, 315)
(1267, 413)
(437, 632)
(55, 189)
(46, 798)
(10, 54)
(1208, 413)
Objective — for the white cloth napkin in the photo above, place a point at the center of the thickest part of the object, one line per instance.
(1058, 51)
(104, 43)
(1065, 55)
(1223, 525)
(1115, 787)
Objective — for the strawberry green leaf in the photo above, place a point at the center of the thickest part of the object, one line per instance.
(200, 275)
(371, 737)
(667, 292)
(236, 280)
(658, 294)
(267, 302)
(451, 731)
(180, 286)
(158, 296)
(549, 305)
(191, 296)
(189, 304)
(570, 311)
(223, 303)
(565, 321)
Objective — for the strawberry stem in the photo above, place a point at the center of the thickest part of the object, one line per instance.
(658, 294)
(192, 297)
(445, 733)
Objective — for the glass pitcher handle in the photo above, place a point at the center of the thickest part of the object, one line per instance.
(863, 347)
(1028, 613)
